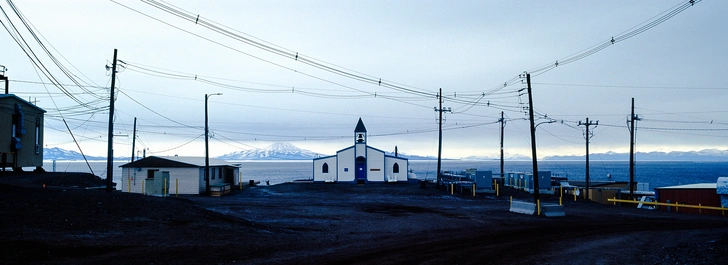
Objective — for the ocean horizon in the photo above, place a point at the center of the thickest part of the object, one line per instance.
(656, 173)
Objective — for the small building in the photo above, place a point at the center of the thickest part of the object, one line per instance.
(186, 174)
(360, 163)
(703, 194)
(21, 127)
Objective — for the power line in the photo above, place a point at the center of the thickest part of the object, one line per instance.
(637, 87)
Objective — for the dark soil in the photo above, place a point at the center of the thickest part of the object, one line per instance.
(335, 224)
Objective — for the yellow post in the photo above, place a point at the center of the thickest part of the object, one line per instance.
(473, 189)
(511, 205)
(497, 191)
(164, 188)
(560, 201)
(615, 202)
(538, 207)
(561, 191)
(452, 188)
(574, 193)
(176, 187)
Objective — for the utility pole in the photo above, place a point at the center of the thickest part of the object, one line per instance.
(133, 141)
(439, 147)
(110, 154)
(588, 136)
(503, 126)
(536, 195)
(207, 148)
(631, 151)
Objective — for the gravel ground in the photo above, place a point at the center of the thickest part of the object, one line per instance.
(335, 224)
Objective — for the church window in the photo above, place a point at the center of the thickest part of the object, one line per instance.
(325, 168)
(395, 168)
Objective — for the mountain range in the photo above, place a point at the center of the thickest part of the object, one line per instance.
(702, 155)
(285, 151)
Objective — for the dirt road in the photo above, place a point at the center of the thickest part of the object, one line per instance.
(341, 224)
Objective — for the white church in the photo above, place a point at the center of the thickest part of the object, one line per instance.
(360, 163)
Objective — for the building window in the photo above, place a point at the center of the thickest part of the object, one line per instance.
(37, 135)
(325, 168)
(395, 168)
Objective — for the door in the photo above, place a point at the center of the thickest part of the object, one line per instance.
(361, 169)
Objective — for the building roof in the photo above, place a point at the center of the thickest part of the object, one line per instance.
(360, 126)
(2, 96)
(690, 186)
(177, 161)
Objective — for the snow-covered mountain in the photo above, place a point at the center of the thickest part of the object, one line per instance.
(277, 151)
(702, 155)
(61, 154)
(508, 157)
(412, 157)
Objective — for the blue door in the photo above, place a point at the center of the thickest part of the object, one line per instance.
(361, 169)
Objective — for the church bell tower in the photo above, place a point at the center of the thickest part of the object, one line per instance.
(360, 133)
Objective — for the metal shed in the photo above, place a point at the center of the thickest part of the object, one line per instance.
(703, 194)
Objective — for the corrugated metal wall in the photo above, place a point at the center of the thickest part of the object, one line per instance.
(704, 197)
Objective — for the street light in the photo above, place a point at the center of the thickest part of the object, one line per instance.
(207, 148)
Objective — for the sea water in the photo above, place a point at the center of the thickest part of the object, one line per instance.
(656, 173)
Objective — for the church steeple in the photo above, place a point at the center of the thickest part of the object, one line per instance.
(360, 133)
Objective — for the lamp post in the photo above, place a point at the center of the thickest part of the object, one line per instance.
(207, 148)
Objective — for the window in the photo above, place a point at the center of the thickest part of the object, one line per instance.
(325, 168)
(37, 135)
(150, 173)
(395, 168)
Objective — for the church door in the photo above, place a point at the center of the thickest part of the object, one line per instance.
(361, 169)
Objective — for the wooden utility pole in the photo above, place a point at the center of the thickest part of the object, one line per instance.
(587, 135)
(503, 126)
(536, 195)
(632, 119)
(439, 145)
(110, 154)
(133, 141)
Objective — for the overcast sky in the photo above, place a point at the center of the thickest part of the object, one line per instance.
(470, 49)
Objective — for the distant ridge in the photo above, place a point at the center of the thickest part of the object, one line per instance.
(505, 157)
(284, 151)
(55, 153)
(702, 155)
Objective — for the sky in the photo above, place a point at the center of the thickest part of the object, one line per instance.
(477, 52)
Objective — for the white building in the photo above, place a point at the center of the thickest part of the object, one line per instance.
(360, 163)
(186, 174)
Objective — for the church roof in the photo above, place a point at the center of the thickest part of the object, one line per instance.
(176, 161)
(360, 126)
